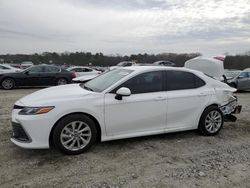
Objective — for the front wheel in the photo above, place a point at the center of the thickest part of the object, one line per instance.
(211, 121)
(8, 83)
(75, 134)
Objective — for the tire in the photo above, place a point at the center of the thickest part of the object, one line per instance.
(61, 81)
(211, 121)
(8, 83)
(72, 142)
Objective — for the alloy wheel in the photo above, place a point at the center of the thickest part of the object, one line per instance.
(61, 81)
(75, 135)
(213, 121)
(8, 84)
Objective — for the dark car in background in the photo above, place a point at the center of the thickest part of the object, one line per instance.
(38, 75)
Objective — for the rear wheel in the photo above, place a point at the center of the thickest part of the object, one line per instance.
(8, 83)
(75, 134)
(61, 81)
(211, 121)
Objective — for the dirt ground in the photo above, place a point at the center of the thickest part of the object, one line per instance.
(183, 159)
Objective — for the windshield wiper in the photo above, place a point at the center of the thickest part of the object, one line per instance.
(87, 88)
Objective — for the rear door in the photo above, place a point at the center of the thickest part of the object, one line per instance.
(48, 77)
(187, 98)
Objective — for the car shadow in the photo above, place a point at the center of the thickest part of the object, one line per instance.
(52, 154)
(176, 136)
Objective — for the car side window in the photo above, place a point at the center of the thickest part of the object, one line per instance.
(127, 64)
(244, 75)
(36, 69)
(86, 70)
(52, 69)
(76, 70)
(178, 80)
(144, 83)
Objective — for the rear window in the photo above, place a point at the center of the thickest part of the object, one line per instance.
(178, 80)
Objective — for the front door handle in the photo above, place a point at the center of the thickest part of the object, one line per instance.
(160, 98)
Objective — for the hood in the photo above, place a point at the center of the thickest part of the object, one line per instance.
(51, 95)
(209, 66)
(12, 73)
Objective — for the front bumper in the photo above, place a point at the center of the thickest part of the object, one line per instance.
(31, 131)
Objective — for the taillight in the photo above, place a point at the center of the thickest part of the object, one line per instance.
(73, 75)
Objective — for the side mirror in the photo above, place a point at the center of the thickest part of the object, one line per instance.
(122, 92)
(27, 73)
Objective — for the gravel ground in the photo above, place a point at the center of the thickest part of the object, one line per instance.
(183, 159)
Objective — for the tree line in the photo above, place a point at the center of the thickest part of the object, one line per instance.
(99, 59)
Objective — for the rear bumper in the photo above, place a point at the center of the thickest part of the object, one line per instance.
(231, 108)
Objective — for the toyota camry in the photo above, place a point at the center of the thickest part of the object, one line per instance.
(122, 103)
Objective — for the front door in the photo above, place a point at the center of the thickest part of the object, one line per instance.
(143, 111)
(31, 77)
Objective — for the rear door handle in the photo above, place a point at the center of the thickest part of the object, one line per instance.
(203, 94)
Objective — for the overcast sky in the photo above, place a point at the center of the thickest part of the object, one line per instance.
(211, 27)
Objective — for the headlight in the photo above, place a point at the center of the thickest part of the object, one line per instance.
(35, 110)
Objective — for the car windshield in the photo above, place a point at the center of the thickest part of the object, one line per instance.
(105, 80)
(27, 69)
(232, 74)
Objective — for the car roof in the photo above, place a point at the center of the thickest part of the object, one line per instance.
(79, 67)
(145, 68)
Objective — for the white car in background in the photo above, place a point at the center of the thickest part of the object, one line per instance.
(85, 78)
(126, 102)
(6, 68)
(123, 64)
(26, 64)
(83, 71)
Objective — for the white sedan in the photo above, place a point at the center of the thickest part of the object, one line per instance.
(123, 103)
(83, 71)
(5, 68)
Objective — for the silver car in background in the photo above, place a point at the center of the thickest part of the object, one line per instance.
(239, 79)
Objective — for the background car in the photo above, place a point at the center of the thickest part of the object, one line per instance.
(123, 64)
(241, 81)
(39, 75)
(165, 63)
(6, 68)
(230, 74)
(84, 79)
(26, 64)
(82, 71)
